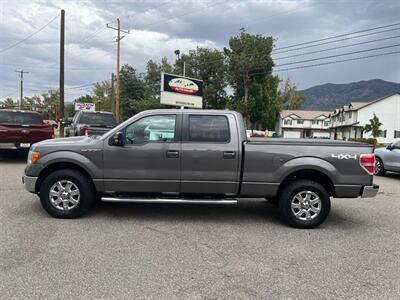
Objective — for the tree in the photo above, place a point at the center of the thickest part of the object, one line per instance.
(152, 78)
(50, 104)
(100, 95)
(84, 99)
(250, 75)
(8, 103)
(374, 127)
(209, 66)
(69, 109)
(288, 95)
(134, 96)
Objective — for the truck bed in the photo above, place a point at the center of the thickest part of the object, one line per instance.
(313, 142)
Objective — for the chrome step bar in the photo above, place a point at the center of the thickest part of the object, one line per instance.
(170, 200)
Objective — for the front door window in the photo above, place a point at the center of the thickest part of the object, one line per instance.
(151, 129)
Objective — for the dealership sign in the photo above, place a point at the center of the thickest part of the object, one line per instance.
(85, 106)
(181, 91)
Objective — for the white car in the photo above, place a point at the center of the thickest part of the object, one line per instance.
(387, 159)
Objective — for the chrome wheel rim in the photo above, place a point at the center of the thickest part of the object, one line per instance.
(378, 166)
(306, 205)
(64, 195)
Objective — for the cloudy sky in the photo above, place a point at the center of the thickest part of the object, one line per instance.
(159, 27)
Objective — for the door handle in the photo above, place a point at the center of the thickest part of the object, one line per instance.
(172, 154)
(229, 155)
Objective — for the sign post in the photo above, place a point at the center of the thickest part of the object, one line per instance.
(181, 91)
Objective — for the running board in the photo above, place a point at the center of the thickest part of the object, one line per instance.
(170, 200)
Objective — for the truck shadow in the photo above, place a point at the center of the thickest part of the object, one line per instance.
(7, 156)
(392, 175)
(250, 212)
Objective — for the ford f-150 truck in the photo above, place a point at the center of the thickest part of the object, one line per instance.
(21, 128)
(197, 156)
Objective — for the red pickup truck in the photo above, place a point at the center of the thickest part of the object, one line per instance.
(21, 128)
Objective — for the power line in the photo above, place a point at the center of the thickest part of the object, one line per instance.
(340, 40)
(29, 36)
(334, 48)
(338, 61)
(310, 46)
(338, 55)
(337, 36)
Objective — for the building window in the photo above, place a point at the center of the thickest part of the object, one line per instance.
(315, 122)
(300, 121)
(326, 123)
(287, 122)
(350, 114)
(384, 134)
(396, 134)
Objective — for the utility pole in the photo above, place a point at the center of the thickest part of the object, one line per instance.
(117, 93)
(21, 75)
(112, 94)
(62, 43)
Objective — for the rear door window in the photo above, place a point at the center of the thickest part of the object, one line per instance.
(23, 118)
(208, 129)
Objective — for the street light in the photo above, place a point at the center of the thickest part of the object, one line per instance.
(177, 53)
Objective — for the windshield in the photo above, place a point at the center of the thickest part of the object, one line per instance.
(99, 119)
(26, 118)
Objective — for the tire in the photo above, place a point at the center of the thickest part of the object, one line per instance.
(308, 215)
(72, 185)
(379, 167)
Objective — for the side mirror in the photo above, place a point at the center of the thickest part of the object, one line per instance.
(117, 139)
(389, 147)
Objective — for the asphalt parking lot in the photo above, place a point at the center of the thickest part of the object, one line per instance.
(133, 251)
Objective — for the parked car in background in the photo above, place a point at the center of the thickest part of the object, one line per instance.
(388, 159)
(90, 123)
(21, 128)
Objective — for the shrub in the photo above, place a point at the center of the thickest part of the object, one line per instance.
(371, 141)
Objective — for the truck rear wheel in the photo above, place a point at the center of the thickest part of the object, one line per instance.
(304, 204)
(66, 194)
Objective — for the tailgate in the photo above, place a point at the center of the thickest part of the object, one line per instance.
(94, 130)
(17, 133)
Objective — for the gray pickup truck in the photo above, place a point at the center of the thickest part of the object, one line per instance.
(90, 123)
(197, 156)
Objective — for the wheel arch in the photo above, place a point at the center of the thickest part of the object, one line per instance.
(60, 165)
(310, 174)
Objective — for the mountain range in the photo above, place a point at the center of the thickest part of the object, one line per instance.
(330, 96)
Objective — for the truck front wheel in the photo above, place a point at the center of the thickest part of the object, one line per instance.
(304, 204)
(66, 194)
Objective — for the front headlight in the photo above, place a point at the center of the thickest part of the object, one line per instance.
(33, 156)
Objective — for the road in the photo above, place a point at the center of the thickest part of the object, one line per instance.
(136, 251)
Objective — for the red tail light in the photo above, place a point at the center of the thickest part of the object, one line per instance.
(367, 161)
(84, 130)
